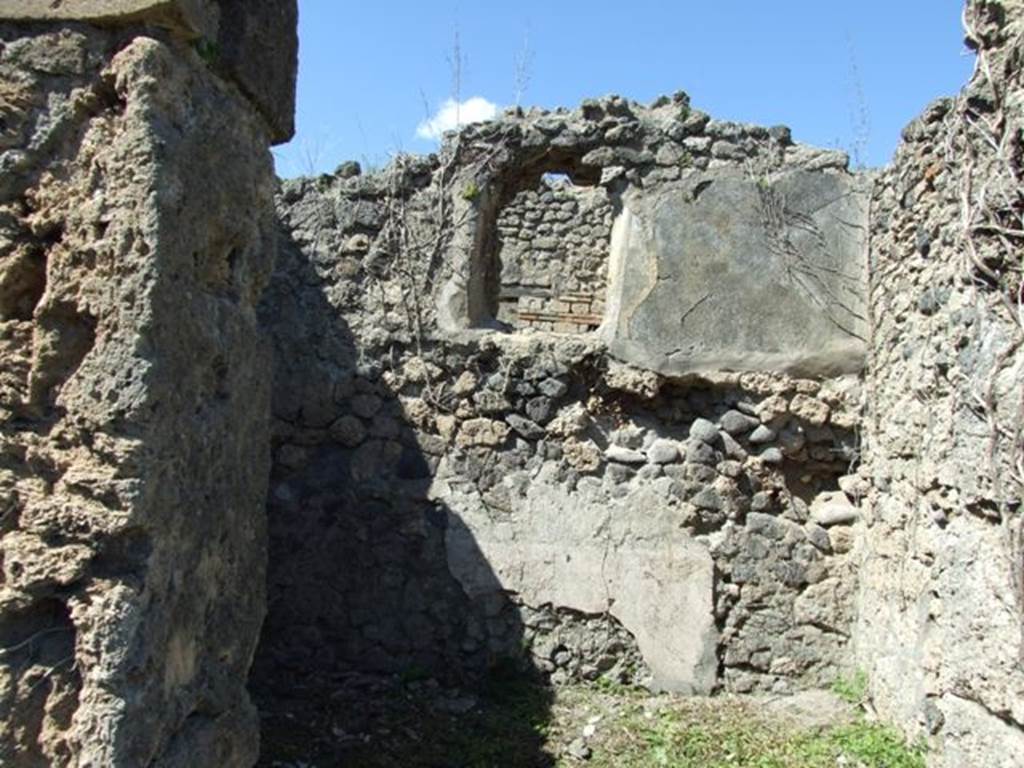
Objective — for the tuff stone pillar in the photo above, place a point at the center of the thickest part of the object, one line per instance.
(136, 236)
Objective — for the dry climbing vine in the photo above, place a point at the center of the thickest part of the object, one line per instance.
(983, 153)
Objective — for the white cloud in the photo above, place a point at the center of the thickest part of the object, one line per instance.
(452, 114)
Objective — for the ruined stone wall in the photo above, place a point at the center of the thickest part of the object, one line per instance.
(441, 499)
(615, 427)
(136, 234)
(941, 595)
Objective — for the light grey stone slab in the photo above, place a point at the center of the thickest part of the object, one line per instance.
(728, 272)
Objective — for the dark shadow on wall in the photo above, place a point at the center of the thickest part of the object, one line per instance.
(371, 653)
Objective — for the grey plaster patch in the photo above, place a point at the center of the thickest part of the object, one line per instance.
(725, 272)
(594, 554)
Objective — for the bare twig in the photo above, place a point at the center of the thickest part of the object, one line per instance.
(523, 69)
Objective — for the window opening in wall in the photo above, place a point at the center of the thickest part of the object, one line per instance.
(553, 236)
(554, 179)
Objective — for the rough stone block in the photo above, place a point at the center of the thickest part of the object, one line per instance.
(252, 42)
(141, 372)
(258, 47)
(191, 18)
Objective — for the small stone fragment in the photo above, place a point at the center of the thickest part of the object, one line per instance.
(572, 420)
(416, 411)
(624, 455)
(736, 423)
(620, 473)
(772, 407)
(704, 430)
(708, 499)
(732, 448)
(651, 471)
(854, 486)
(553, 388)
(531, 430)
(809, 409)
(841, 537)
(539, 409)
(698, 452)
(581, 454)
(731, 468)
(762, 435)
(357, 244)
(818, 536)
(663, 451)
(833, 508)
(765, 525)
(446, 426)
(465, 384)
(481, 431)
(348, 431)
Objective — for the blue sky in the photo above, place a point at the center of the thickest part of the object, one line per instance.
(846, 73)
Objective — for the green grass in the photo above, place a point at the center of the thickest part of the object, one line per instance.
(872, 744)
(516, 722)
(853, 689)
(726, 734)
